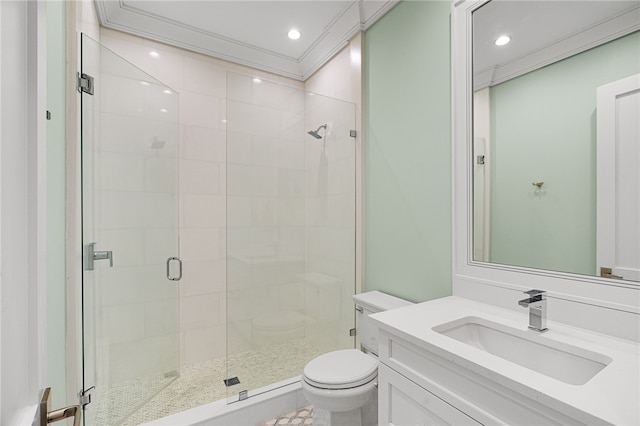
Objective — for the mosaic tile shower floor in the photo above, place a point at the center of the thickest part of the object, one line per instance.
(202, 383)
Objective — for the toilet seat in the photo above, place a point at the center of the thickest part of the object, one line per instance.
(343, 369)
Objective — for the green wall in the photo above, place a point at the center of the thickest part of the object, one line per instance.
(408, 152)
(544, 129)
(56, 275)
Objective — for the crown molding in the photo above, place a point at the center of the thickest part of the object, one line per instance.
(357, 16)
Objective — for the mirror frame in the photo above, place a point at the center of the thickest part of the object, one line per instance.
(469, 275)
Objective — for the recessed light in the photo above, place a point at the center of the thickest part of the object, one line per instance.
(257, 80)
(144, 83)
(154, 54)
(293, 34)
(166, 91)
(502, 40)
(163, 110)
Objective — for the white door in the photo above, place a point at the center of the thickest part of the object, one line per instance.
(618, 181)
(22, 212)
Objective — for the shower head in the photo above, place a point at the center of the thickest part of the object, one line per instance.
(315, 133)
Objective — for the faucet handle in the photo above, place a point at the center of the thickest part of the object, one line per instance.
(535, 292)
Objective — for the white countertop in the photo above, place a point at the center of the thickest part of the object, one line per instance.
(612, 395)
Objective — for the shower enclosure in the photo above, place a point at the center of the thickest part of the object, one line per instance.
(290, 230)
(289, 237)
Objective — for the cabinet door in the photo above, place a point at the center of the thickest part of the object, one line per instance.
(402, 402)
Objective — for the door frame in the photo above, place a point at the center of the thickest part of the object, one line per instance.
(606, 165)
(23, 210)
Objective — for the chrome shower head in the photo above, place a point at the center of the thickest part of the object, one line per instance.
(315, 133)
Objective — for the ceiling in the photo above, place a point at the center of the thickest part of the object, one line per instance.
(543, 32)
(252, 33)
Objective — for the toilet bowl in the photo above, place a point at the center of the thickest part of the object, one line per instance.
(342, 385)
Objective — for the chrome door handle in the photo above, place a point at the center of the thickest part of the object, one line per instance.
(91, 255)
(47, 416)
(169, 277)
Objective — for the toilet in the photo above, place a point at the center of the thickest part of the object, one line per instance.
(342, 385)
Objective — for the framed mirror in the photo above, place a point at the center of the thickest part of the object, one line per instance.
(555, 136)
(479, 275)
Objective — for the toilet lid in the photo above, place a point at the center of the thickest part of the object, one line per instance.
(347, 368)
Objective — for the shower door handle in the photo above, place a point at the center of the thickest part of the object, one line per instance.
(169, 277)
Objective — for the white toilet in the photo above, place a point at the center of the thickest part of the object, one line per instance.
(342, 385)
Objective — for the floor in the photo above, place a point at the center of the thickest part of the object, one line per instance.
(302, 416)
(202, 383)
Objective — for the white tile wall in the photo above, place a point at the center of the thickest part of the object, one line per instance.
(202, 110)
(203, 143)
(204, 343)
(203, 277)
(199, 177)
(204, 211)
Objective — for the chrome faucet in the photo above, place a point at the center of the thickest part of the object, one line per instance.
(537, 304)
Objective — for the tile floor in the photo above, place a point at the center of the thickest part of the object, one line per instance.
(301, 417)
(126, 403)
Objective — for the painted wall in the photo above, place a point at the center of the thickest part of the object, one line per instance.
(407, 152)
(23, 359)
(543, 127)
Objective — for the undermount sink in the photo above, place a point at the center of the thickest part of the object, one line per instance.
(567, 363)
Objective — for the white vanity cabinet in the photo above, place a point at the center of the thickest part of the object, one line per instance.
(402, 402)
(424, 387)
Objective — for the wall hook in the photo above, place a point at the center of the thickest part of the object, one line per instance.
(538, 184)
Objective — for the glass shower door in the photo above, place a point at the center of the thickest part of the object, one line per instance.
(131, 271)
(290, 231)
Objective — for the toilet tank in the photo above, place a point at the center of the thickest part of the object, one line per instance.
(368, 303)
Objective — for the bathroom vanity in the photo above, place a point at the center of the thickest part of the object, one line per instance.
(476, 357)
(460, 362)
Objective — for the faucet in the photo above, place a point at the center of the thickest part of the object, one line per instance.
(537, 304)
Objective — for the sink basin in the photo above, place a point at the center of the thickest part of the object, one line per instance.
(567, 363)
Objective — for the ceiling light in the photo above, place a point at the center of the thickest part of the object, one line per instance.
(502, 40)
(144, 83)
(163, 110)
(154, 54)
(166, 91)
(257, 80)
(293, 34)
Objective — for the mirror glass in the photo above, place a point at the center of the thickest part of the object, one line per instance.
(556, 136)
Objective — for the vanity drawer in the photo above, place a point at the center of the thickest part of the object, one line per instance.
(402, 402)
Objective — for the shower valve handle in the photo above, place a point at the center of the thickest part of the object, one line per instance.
(92, 255)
